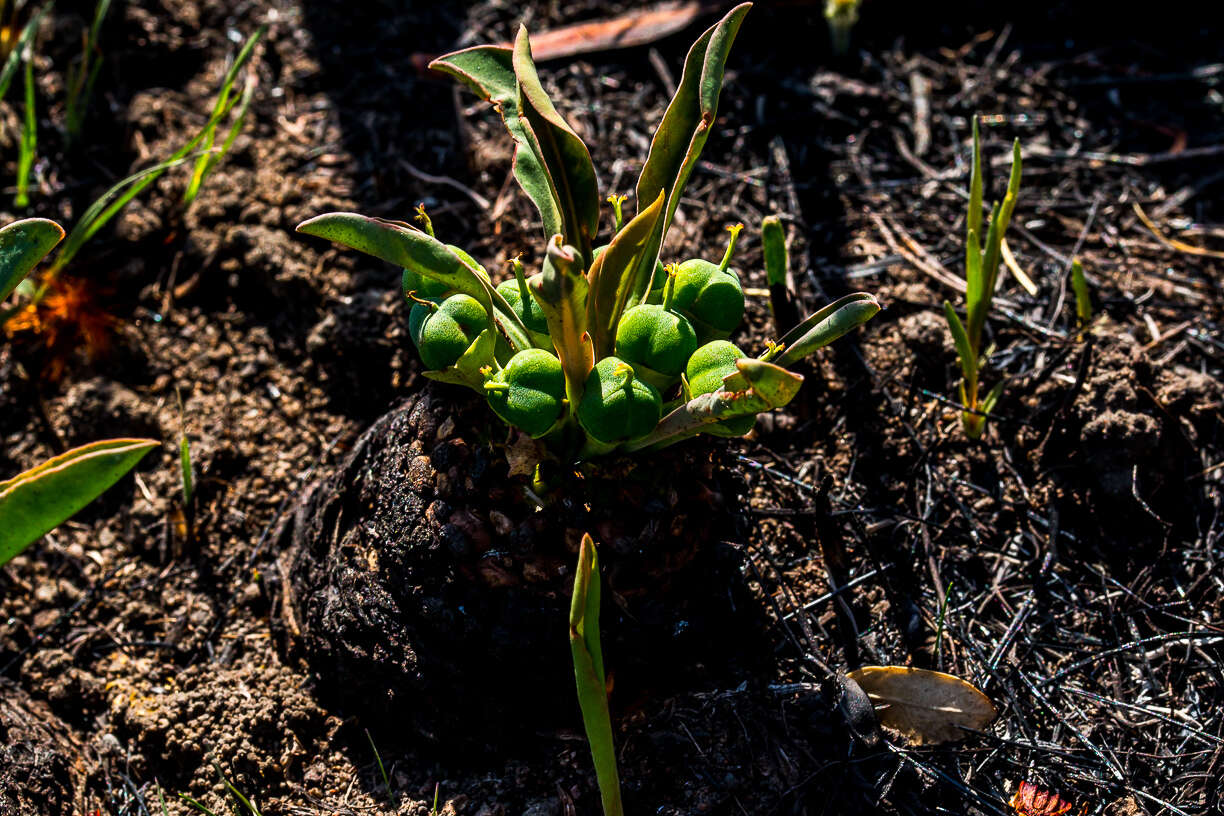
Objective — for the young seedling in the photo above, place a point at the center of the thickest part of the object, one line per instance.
(29, 136)
(621, 328)
(981, 275)
(113, 201)
(38, 500)
(841, 16)
(589, 676)
(1083, 298)
(82, 74)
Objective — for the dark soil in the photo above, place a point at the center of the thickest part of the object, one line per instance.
(1075, 551)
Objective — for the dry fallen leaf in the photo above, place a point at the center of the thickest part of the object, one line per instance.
(925, 707)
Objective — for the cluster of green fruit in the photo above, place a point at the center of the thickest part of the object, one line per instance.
(668, 349)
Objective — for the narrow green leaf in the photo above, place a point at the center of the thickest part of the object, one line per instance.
(185, 476)
(489, 71)
(974, 220)
(565, 157)
(22, 245)
(974, 287)
(589, 676)
(773, 245)
(36, 501)
(822, 328)
(964, 350)
(1083, 299)
(29, 137)
(977, 309)
(686, 124)
(19, 48)
(992, 399)
(617, 280)
(561, 290)
(757, 386)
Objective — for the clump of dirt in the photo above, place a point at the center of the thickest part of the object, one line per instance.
(257, 723)
(38, 756)
(1126, 446)
(432, 584)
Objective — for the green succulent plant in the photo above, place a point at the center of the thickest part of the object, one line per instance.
(632, 343)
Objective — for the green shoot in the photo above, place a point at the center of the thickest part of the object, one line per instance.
(1083, 298)
(185, 471)
(29, 137)
(82, 75)
(590, 678)
(211, 158)
(437, 788)
(383, 772)
(939, 626)
(841, 16)
(112, 202)
(981, 276)
(15, 49)
(246, 803)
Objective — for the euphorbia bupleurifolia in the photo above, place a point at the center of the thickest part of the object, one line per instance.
(604, 348)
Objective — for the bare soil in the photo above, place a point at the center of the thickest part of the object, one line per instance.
(1074, 552)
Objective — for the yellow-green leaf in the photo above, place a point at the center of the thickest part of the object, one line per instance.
(36, 501)
(925, 707)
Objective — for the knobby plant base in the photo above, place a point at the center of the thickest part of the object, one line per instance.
(431, 596)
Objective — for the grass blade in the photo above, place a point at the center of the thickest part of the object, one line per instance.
(29, 137)
(14, 58)
(589, 676)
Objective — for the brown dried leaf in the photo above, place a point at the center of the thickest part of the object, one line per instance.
(925, 707)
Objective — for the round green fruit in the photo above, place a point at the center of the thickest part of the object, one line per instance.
(421, 286)
(705, 372)
(528, 311)
(443, 332)
(710, 297)
(657, 342)
(529, 393)
(617, 406)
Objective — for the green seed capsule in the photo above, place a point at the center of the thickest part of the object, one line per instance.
(657, 342)
(617, 406)
(442, 332)
(710, 295)
(705, 372)
(421, 286)
(529, 393)
(516, 293)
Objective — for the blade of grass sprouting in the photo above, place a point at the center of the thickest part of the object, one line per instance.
(237, 794)
(101, 212)
(977, 309)
(105, 208)
(964, 349)
(590, 678)
(14, 58)
(210, 159)
(193, 803)
(185, 471)
(1083, 300)
(383, 771)
(29, 137)
(81, 80)
(974, 219)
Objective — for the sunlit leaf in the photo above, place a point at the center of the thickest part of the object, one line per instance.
(686, 124)
(925, 707)
(617, 278)
(820, 329)
(36, 501)
(22, 245)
